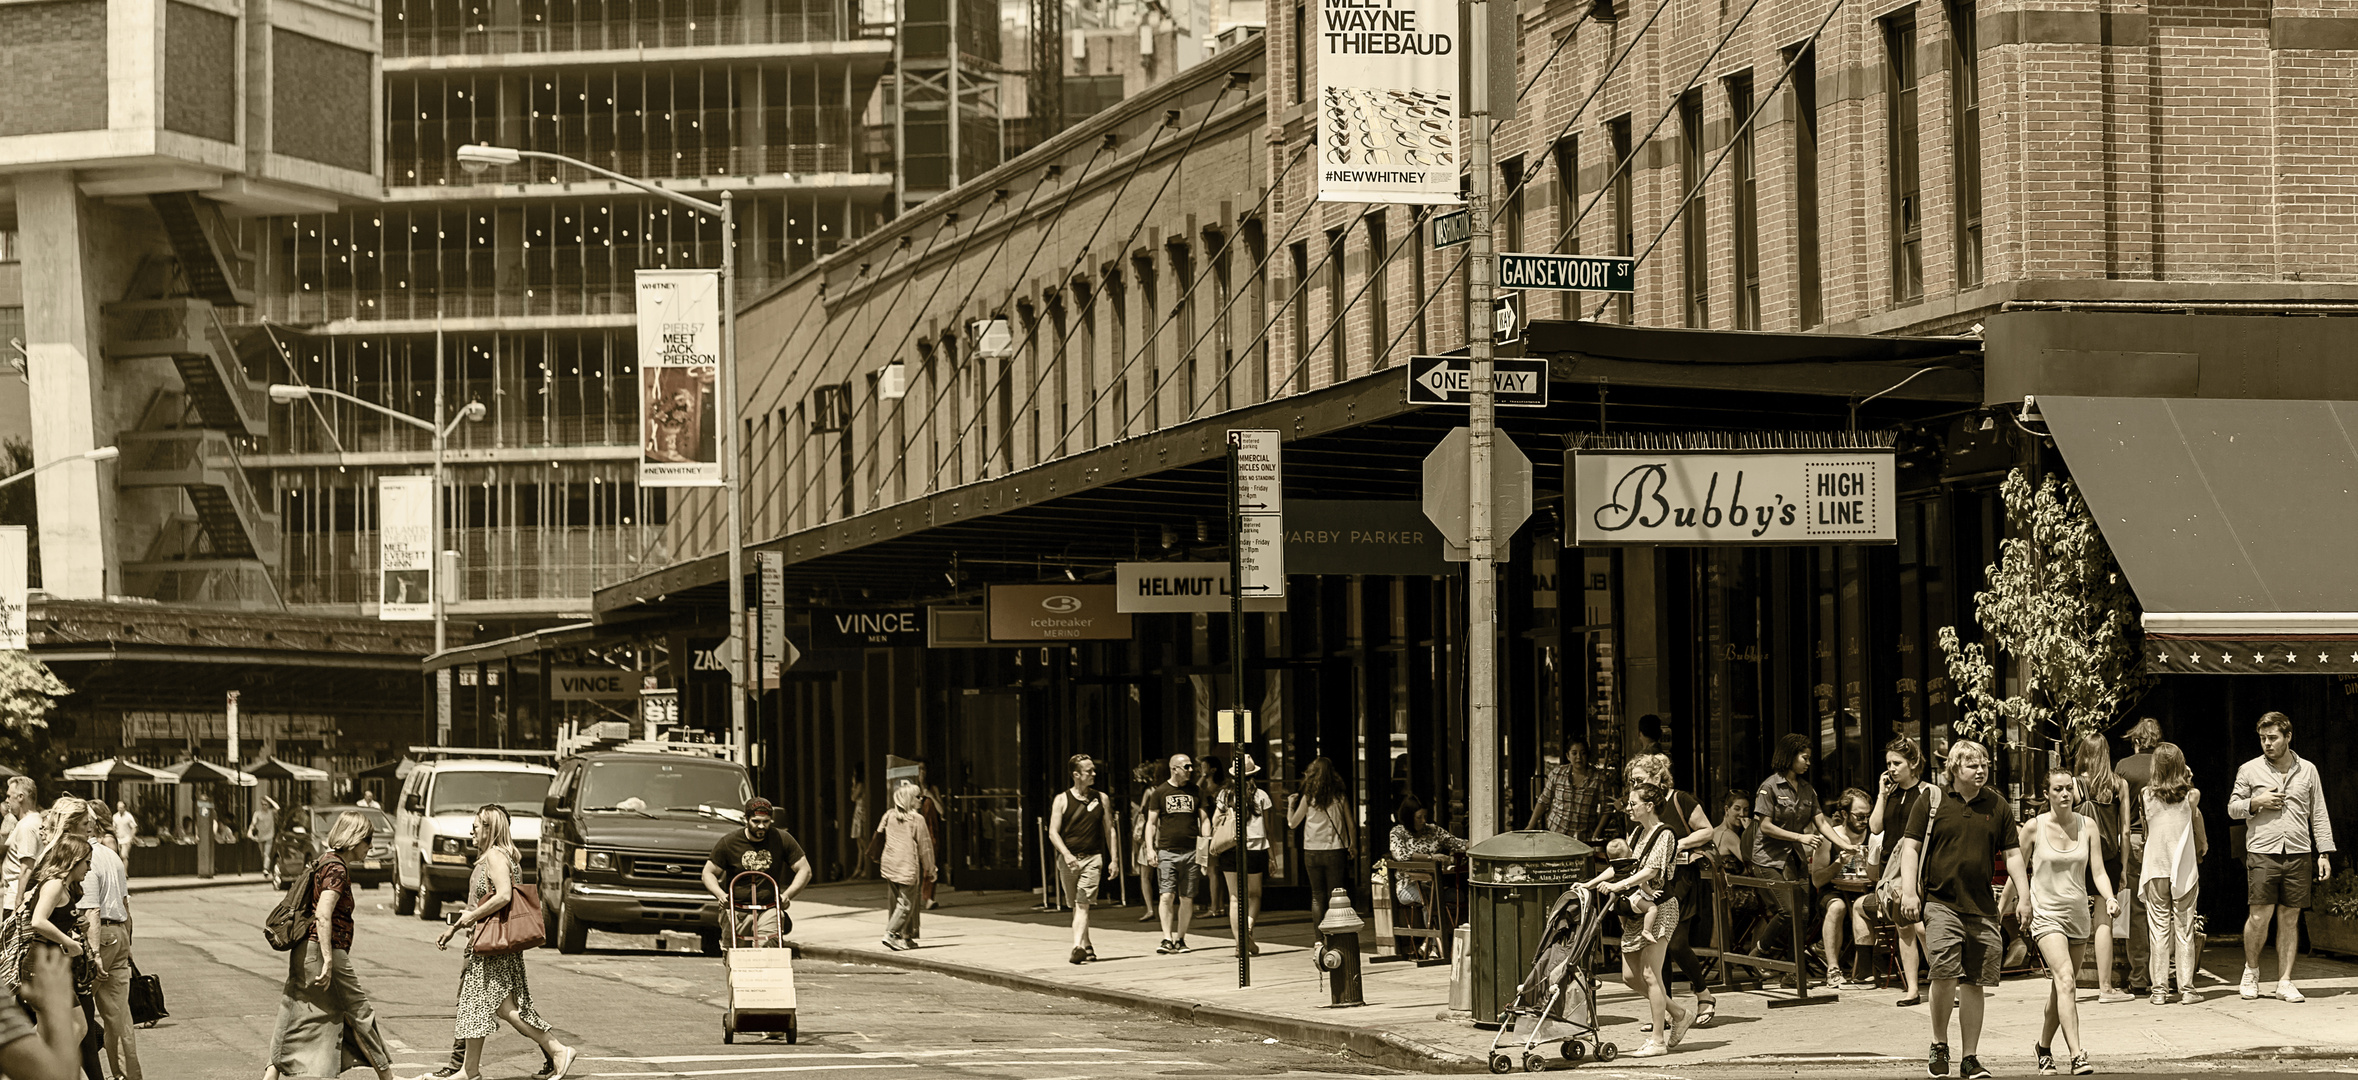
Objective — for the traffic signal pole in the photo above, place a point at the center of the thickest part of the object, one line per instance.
(1482, 423)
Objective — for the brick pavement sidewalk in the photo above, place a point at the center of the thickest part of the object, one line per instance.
(999, 938)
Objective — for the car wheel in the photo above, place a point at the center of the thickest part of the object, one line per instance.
(405, 901)
(572, 936)
(429, 902)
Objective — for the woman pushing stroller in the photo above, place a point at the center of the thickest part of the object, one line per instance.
(1649, 916)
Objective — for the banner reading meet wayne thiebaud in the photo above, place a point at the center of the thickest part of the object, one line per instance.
(679, 367)
(1387, 101)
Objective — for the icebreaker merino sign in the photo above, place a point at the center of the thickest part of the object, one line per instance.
(1387, 101)
(1813, 497)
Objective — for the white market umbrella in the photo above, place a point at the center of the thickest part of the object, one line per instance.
(193, 771)
(119, 769)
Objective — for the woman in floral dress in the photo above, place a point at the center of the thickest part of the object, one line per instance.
(494, 987)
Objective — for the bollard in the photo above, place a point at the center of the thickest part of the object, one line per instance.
(1461, 971)
(1337, 951)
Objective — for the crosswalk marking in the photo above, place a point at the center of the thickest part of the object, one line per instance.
(687, 1059)
(846, 1068)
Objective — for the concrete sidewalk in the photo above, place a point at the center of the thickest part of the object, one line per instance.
(191, 881)
(998, 938)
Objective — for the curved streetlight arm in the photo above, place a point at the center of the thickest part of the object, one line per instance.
(294, 393)
(103, 453)
(642, 185)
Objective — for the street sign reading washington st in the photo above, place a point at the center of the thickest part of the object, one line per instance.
(1575, 273)
(1452, 229)
(1448, 380)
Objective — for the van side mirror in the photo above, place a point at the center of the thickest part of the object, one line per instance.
(414, 802)
(553, 805)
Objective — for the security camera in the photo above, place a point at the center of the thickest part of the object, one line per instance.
(476, 157)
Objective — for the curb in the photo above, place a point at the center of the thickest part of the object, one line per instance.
(2282, 1053)
(1382, 1048)
(183, 886)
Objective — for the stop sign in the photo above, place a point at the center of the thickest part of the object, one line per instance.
(1446, 478)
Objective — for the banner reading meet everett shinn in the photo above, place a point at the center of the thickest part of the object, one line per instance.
(1387, 101)
(679, 367)
(405, 548)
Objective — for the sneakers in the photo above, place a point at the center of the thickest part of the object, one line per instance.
(1079, 956)
(2188, 997)
(2080, 1066)
(2114, 997)
(2286, 991)
(1680, 1020)
(894, 944)
(2161, 996)
(1179, 944)
(1164, 947)
(2046, 1058)
(1937, 1060)
(1653, 1048)
(1971, 1069)
(2251, 984)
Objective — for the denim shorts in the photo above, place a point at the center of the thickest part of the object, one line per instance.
(1963, 945)
(1176, 873)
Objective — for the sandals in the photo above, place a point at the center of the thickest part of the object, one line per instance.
(1704, 1011)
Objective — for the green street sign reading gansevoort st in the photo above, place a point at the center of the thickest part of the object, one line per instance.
(1571, 273)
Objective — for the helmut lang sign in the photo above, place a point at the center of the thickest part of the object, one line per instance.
(1180, 586)
(1721, 497)
(844, 628)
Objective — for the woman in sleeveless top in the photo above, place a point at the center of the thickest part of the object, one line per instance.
(1322, 814)
(494, 989)
(2061, 846)
(2174, 847)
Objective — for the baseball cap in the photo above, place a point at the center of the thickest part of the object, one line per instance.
(759, 806)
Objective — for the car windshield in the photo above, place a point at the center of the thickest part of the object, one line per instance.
(520, 792)
(682, 785)
(381, 824)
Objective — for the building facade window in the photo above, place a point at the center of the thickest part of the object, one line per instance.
(1624, 207)
(8, 247)
(1300, 47)
(1694, 232)
(1416, 265)
(1900, 130)
(1379, 268)
(1510, 211)
(1965, 141)
(1337, 335)
(1299, 252)
(1744, 207)
(1256, 242)
(1567, 159)
(1809, 279)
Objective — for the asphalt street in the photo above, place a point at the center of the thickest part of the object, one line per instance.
(636, 1012)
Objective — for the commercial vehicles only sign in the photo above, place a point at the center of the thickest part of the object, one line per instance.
(1718, 497)
(1387, 105)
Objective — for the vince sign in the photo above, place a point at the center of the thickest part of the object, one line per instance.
(1719, 497)
(1387, 101)
(592, 684)
(842, 628)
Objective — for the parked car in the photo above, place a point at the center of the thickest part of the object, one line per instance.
(627, 833)
(304, 839)
(433, 825)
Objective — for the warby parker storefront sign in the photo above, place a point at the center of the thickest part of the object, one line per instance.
(1721, 497)
(1180, 586)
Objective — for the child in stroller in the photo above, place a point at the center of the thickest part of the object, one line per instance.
(1557, 1000)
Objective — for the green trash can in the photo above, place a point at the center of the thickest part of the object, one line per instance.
(1515, 877)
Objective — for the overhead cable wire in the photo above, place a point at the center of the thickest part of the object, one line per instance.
(1757, 108)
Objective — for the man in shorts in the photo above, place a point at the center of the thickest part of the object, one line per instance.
(1084, 839)
(2280, 794)
(1946, 854)
(1174, 819)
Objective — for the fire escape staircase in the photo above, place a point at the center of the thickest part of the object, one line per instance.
(206, 244)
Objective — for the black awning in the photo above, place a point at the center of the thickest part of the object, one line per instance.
(2232, 518)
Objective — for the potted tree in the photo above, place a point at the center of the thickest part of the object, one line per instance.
(2333, 915)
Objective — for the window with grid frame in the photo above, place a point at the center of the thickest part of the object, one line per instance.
(1337, 280)
(1965, 138)
(1379, 333)
(1694, 235)
(1905, 181)
(1809, 293)
(1624, 208)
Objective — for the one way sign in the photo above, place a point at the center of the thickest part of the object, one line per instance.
(1448, 380)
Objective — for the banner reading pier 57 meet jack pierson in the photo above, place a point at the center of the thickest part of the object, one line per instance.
(1387, 101)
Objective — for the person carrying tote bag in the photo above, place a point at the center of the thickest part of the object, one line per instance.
(494, 988)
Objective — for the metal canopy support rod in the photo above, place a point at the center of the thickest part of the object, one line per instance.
(1482, 427)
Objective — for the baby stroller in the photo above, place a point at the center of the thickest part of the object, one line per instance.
(1557, 1001)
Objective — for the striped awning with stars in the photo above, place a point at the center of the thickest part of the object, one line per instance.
(2306, 655)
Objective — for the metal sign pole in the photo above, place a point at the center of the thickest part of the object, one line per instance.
(1482, 422)
(1240, 789)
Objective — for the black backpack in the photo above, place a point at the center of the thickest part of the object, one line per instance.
(289, 924)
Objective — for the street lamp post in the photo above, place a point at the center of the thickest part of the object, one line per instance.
(476, 158)
(103, 453)
(286, 393)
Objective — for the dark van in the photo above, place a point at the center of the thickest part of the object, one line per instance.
(624, 837)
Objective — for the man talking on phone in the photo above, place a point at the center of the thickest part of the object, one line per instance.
(2282, 797)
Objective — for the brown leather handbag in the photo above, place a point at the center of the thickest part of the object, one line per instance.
(513, 928)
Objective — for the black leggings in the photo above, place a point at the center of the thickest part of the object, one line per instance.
(1682, 947)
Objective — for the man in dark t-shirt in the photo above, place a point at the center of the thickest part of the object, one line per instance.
(760, 847)
(1946, 854)
(1174, 818)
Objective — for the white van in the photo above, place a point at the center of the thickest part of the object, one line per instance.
(434, 822)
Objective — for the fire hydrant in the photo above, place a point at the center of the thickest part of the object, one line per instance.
(1337, 951)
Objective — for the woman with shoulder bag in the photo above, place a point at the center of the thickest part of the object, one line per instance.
(1649, 914)
(1244, 896)
(906, 863)
(1896, 794)
(325, 1020)
(1684, 815)
(494, 988)
(2104, 796)
(1323, 817)
(56, 888)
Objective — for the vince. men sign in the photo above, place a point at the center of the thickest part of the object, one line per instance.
(1716, 497)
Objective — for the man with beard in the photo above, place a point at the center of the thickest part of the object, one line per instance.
(760, 848)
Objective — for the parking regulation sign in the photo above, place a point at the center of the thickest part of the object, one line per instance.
(1449, 380)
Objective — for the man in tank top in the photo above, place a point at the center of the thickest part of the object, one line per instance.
(1084, 839)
